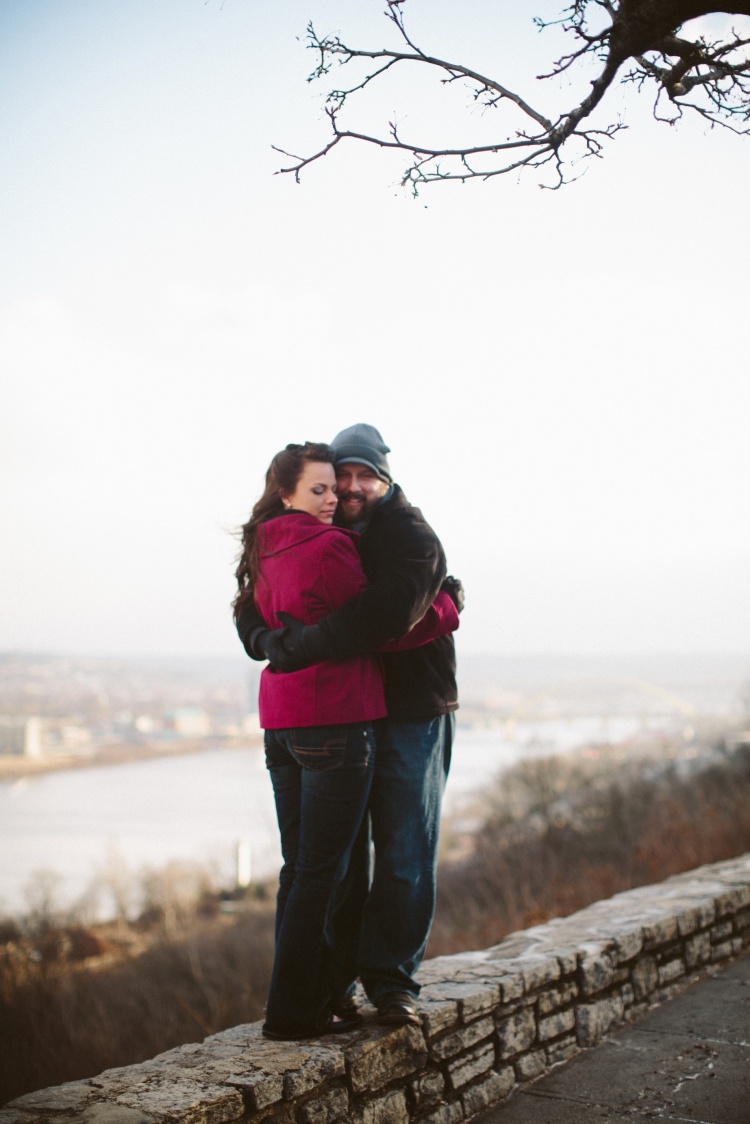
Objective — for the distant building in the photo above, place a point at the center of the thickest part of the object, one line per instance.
(74, 739)
(251, 724)
(68, 737)
(23, 737)
(190, 722)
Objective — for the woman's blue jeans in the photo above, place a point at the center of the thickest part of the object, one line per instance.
(321, 778)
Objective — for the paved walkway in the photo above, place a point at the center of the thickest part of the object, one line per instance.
(687, 1061)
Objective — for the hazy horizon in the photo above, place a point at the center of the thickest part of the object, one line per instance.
(498, 653)
(695, 662)
(561, 375)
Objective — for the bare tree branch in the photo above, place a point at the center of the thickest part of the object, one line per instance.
(610, 32)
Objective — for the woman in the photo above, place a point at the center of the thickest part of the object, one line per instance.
(318, 722)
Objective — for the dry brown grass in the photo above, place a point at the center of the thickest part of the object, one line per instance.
(561, 834)
(62, 1017)
(606, 832)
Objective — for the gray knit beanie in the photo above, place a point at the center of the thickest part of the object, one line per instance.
(362, 444)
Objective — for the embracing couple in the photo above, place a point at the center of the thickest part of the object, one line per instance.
(342, 587)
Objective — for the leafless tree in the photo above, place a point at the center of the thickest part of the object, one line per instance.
(635, 39)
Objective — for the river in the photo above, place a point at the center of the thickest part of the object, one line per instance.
(64, 830)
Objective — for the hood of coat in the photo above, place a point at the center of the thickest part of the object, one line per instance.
(286, 532)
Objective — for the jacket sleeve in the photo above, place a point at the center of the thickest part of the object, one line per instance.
(249, 624)
(408, 567)
(440, 619)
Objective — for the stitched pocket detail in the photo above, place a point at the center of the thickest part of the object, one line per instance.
(321, 756)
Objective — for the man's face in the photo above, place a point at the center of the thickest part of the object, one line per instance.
(359, 488)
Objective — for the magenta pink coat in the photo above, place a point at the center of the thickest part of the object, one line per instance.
(308, 568)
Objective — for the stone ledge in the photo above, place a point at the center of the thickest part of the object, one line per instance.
(493, 1020)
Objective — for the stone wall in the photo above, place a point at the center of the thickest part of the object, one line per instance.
(492, 1020)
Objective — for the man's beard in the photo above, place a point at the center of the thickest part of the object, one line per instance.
(359, 516)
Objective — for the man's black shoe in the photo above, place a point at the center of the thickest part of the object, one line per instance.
(397, 1008)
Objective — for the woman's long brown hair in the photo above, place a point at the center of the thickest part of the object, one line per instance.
(283, 474)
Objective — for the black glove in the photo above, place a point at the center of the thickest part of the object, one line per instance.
(290, 648)
(305, 642)
(454, 589)
(271, 643)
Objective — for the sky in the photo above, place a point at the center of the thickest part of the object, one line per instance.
(562, 376)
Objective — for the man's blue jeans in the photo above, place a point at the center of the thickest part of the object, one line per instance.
(321, 779)
(413, 760)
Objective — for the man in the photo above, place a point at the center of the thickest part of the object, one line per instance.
(405, 564)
